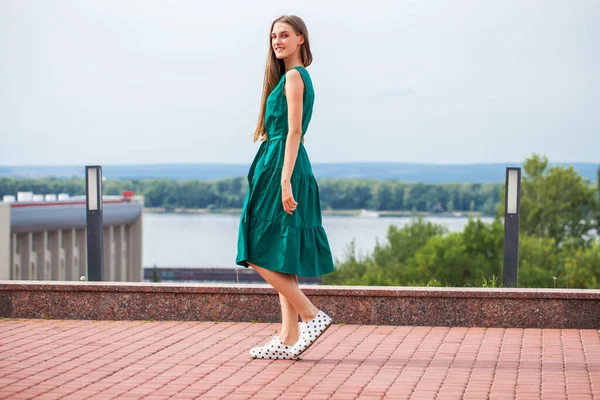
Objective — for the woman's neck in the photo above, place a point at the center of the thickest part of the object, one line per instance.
(292, 62)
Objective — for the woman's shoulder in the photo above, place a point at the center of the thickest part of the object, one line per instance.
(294, 77)
(295, 72)
(300, 75)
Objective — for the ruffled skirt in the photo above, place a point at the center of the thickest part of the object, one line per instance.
(268, 236)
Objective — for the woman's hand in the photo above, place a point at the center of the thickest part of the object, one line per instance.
(287, 197)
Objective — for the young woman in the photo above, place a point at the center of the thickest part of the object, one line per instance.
(280, 232)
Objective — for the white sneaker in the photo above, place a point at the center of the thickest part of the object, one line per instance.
(275, 350)
(311, 330)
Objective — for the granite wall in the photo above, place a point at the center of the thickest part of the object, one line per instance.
(523, 308)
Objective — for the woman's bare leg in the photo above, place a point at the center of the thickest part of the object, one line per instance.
(289, 320)
(287, 285)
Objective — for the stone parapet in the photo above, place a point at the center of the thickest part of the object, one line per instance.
(366, 305)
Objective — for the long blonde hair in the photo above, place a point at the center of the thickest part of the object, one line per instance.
(276, 68)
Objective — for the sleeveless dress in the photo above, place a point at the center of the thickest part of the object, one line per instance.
(269, 237)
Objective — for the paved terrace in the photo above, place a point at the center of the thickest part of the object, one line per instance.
(185, 359)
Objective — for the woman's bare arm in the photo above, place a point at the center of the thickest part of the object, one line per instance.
(294, 90)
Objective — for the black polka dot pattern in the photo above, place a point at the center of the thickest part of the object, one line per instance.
(273, 351)
(311, 330)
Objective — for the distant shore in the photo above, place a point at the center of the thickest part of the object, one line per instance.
(348, 213)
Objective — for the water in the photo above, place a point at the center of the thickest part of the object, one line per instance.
(210, 240)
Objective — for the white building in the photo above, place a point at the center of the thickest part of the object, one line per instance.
(45, 239)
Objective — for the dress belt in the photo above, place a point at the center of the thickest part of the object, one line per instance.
(283, 137)
(280, 137)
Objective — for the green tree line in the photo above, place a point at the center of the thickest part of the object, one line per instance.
(558, 242)
(336, 194)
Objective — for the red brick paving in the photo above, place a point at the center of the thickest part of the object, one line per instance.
(78, 359)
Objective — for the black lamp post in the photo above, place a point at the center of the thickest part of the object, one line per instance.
(94, 222)
(511, 226)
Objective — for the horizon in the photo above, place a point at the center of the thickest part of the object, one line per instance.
(550, 162)
(382, 171)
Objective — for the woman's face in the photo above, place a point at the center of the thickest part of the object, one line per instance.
(284, 40)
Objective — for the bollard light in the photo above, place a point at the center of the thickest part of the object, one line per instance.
(511, 226)
(94, 223)
(513, 180)
(94, 187)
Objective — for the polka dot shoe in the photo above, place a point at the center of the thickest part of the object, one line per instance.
(275, 350)
(299, 330)
(311, 330)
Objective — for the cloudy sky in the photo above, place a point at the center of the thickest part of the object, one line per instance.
(149, 81)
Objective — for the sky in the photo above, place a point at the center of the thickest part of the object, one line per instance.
(443, 82)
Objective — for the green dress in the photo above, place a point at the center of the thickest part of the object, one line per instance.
(268, 236)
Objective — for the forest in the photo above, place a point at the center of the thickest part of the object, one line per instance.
(558, 242)
(336, 194)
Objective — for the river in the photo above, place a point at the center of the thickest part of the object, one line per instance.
(210, 240)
